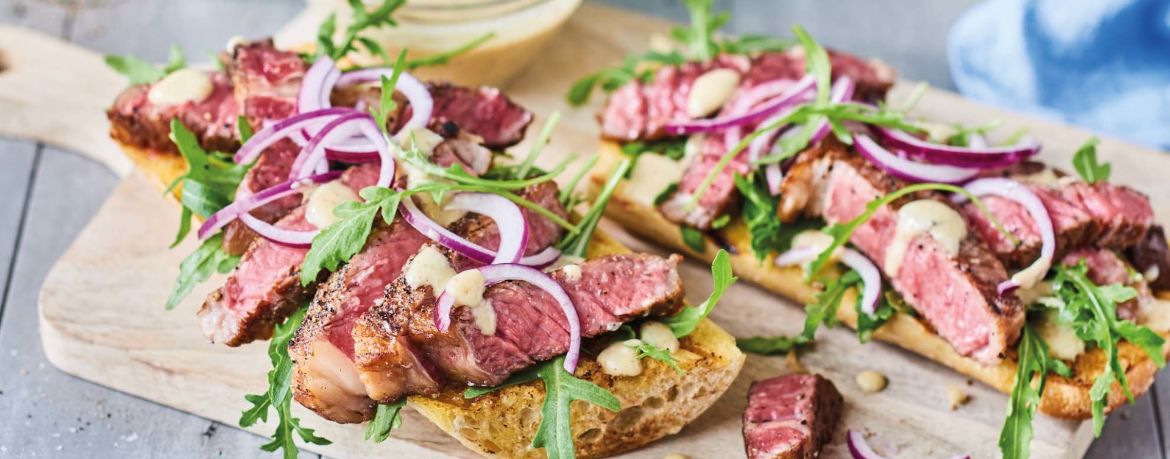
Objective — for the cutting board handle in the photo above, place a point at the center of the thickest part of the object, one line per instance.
(55, 92)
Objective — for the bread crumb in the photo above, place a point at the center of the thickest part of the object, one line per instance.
(871, 381)
(794, 365)
(958, 397)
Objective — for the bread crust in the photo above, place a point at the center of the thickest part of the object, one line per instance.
(658, 403)
(1066, 398)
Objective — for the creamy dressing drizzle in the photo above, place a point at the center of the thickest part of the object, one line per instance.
(429, 267)
(652, 174)
(180, 87)
(468, 288)
(927, 216)
(322, 201)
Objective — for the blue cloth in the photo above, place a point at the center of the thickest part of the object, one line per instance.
(1103, 64)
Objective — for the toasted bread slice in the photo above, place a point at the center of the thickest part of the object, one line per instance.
(1063, 397)
(657, 403)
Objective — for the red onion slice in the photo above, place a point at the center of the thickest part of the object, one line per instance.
(340, 128)
(277, 131)
(870, 276)
(510, 222)
(841, 91)
(972, 157)
(246, 203)
(789, 97)
(907, 169)
(374, 134)
(494, 274)
(436, 232)
(859, 448)
(774, 176)
(421, 103)
(1021, 194)
(797, 256)
(291, 238)
(314, 83)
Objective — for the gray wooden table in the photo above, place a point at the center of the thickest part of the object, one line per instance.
(50, 194)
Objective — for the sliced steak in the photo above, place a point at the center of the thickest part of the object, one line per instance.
(1151, 257)
(485, 112)
(955, 295)
(790, 417)
(265, 287)
(136, 121)
(266, 81)
(324, 378)
(1106, 267)
(272, 167)
(529, 325)
(719, 197)
(873, 78)
(1100, 215)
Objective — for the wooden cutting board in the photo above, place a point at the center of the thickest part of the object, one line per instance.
(101, 306)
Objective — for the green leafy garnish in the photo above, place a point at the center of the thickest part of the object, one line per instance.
(577, 244)
(210, 181)
(770, 345)
(446, 56)
(683, 323)
(560, 389)
(386, 418)
(699, 37)
(759, 213)
(645, 349)
(869, 323)
(962, 135)
(538, 145)
(673, 148)
(1086, 164)
(566, 196)
(343, 239)
(386, 103)
(362, 19)
(279, 395)
(1091, 310)
(554, 433)
(206, 260)
(1033, 365)
(244, 128)
(693, 238)
(610, 79)
(822, 310)
(139, 71)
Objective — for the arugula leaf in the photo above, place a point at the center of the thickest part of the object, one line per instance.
(665, 194)
(279, 395)
(210, 181)
(244, 128)
(560, 388)
(175, 61)
(538, 145)
(683, 323)
(867, 324)
(362, 19)
(645, 349)
(446, 56)
(209, 258)
(816, 63)
(385, 419)
(673, 148)
(752, 44)
(1092, 311)
(774, 345)
(577, 244)
(693, 238)
(136, 70)
(387, 105)
(699, 36)
(343, 239)
(721, 222)
(759, 213)
(962, 135)
(824, 305)
(566, 196)
(610, 79)
(1086, 164)
(1032, 366)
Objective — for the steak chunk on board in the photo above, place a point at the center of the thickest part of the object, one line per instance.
(955, 295)
(324, 378)
(266, 287)
(400, 332)
(790, 417)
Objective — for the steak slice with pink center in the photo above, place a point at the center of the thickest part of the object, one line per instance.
(136, 121)
(956, 295)
(610, 290)
(265, 287)
(790, 417)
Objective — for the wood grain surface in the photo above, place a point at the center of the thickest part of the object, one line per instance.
(102, 300)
